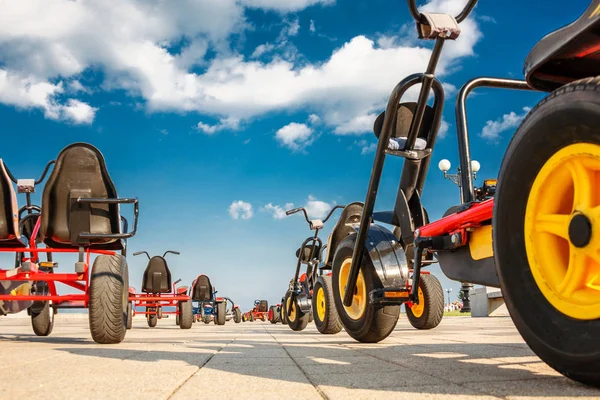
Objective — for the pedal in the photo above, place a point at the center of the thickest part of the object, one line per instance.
(79, 267)
(48, 264)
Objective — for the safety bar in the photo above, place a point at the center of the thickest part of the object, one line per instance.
(414, 11)
(126, 235)
(37, 181)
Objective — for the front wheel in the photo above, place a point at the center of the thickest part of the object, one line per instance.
(430, 310)
(152, 320)
(42, 318)
(129, 315)
(221, 315)
(108, 299)
(237, 316)
(186, 314)
(326, 317)
(297, 320)
(546, 230)
(363, 320)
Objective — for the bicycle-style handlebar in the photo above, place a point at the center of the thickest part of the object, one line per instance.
(412, 6)
(295, 210)
(37, 181)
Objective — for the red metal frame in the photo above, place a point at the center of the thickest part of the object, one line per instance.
(158, 300)
(79, 281)
(470, 218)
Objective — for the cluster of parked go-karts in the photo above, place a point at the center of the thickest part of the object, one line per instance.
(545, 252)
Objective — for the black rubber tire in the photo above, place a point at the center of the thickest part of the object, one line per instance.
(331, 323)
(206, 320)
(568, 116)
(108, 299)
(129, 315)
(237, 316)
(301, 320)
(42, 320)
(221, 316)
(251, 317)
(282, 312)
(159, 312)
(377, 322)
(243, 318)
(310, 317)
(433, 312)
(186, 314)
(152, 320)
(275, 314)
(177, 318)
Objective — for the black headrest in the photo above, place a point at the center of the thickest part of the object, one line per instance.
(307, 252)
(80, 171)
(344, 226)
(157, 265)
(9, 212)
(263, 306)
(202, 290)
(404, 119)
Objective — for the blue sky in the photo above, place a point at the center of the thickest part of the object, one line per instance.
(221, 105)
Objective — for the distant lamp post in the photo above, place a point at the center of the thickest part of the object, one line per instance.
(449, 290)
(444, 166)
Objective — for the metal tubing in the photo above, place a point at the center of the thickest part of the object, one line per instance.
(462, 129)
(365, 219)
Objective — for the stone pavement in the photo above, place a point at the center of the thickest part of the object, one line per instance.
(464, 358)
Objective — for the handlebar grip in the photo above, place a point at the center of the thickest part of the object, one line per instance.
(293, 211)
(414, 11)
(137, 253)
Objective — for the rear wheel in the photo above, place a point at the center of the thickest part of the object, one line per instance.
(251, 319)
(237, 316)
(42, 318)
(108, 299)
(129, 315)
(177, 319)
(363, 320)
(546, 221)
(221, 315)
(297, 320)
(274, 314)
(186, 314)
(152, 320)
(282, 312)
(326, 317)
(430, 310)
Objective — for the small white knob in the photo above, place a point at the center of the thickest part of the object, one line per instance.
(444, 165)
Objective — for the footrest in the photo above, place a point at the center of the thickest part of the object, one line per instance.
(389, 296)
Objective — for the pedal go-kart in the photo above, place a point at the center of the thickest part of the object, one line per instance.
(310, 293)
(274, 315)
(259, 311)
(79, 215)
(159, 292)
(542, 218)
(208, 307)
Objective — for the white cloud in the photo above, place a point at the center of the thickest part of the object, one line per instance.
(285, 5)
(292, 27)
(79, 112)
(277, 211)
(294, 136)
(316, 208)
(314, 119)
(130, 42)
(224, 124)
(240, 209)
(492, 129)
(262, 49)
(443, 131)
(75, 87)
(357, 125)
(312, 27)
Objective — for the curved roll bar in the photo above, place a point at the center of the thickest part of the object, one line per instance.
(414, 11)
(37, 181)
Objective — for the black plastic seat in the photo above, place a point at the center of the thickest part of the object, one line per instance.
(157, 277)
(567, 54)
(306, 257)
(344, 227)
(80, 171)
(202, 289)
(9, 225)
(404, 119)
(263, 306)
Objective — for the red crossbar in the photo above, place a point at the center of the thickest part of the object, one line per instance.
(40, 276)
(475, 215)
(141, 297)
(57, 298)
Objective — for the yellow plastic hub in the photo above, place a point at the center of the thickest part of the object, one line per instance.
(292, 312)
(321, 304)
(359, 301)
(562, 239)
(418, 309)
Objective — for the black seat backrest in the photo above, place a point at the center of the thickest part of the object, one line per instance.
(157, 277)
(9, 225)
(344, 227)
(80, 171)
(404, 119)
(202, 290)
(306, 258)
(263, 306)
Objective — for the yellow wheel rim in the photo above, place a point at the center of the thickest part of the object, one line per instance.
(562, 240)
(292, 315)
(321, 304)
(359, 300)
(418, 309)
